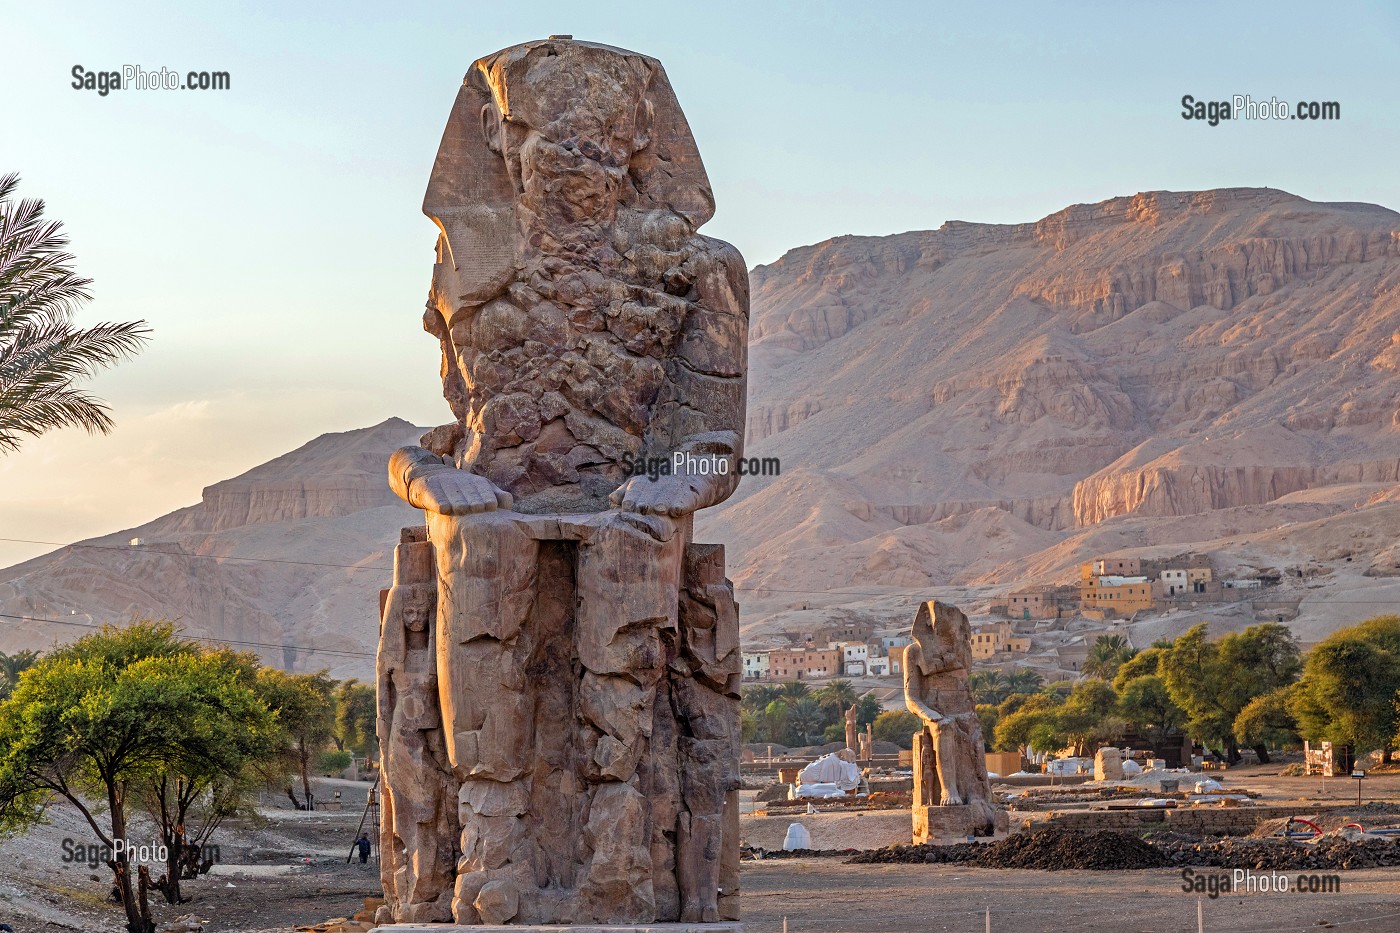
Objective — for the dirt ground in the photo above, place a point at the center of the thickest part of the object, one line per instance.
(824, 895)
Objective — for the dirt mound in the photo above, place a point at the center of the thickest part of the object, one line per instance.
(1050, 849)
(1330, 854)
(1055, 848)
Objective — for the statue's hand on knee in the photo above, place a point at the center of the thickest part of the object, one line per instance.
(425, 481)
(666, 495)
(457, 492)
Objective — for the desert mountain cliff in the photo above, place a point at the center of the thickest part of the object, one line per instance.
(974, 407)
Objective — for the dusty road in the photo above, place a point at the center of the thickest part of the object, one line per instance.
(824, 895)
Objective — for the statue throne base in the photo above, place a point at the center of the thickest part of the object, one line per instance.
(932, 822)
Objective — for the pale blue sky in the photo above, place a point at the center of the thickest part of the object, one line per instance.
(271, 233)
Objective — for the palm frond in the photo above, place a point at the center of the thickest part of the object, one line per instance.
(42, 354)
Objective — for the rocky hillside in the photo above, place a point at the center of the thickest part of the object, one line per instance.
(985, 403)
(286, 559)
(955, 411)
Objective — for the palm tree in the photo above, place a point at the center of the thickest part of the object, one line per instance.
(838, 693)
(42, 354)
(806, 717)
(1024, 680)
(794, 690)
(988, 686)
(11, 666)
(758, 696)
(1106, 655)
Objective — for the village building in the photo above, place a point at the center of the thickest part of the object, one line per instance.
(854, 658)
(805, 663)
(756, 665)
(997, 639)
(1036, 603)
(1105, 594)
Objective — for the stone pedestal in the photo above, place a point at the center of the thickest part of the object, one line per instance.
(576, 720)
(958, 822)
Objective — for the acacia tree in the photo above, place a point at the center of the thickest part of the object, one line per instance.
(211, 775)
(107, 715)
(1350, 686)
(305, 712)
(1214, 681)
(42, 354)
(356, 717)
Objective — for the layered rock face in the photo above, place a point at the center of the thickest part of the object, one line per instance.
(1165, 354)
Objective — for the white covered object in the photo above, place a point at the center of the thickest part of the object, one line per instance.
(797, 838)
(1131, 768)
(819, 791)
(830, 769)
(1208, 785)
(1063, 766)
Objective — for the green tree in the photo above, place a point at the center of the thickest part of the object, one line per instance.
(806, 719)
(794, 690)
(1145, 703)
(1106, 655)
(775, 716)
(305, 714)
(42, 355)
(1350, 685)
(1141, 664)
(1032, 726)
(751, 726)
(757, 696)
(1023, 680)
(897, 726)
(356, 718)
(836, 696)
(868, 709)
(989, 687)
(1266, 720)
(11, 666)
(112, 713)
(1214, 681)
(1089, 715)
(216, 768)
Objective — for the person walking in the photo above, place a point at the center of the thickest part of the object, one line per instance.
(363, 845)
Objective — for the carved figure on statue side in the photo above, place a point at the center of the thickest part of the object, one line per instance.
(851, 729)
(418, 825)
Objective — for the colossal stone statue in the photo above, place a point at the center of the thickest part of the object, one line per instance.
(587, 665)
(851, 728)
(952, 795)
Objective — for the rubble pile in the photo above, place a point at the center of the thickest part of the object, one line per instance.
(1332, 853)
(1055, 848)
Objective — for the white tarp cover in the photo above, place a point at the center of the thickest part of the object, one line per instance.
(829, 769)
(1131, 768)
(1063, 766)
(819, 790)
(797, 838)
